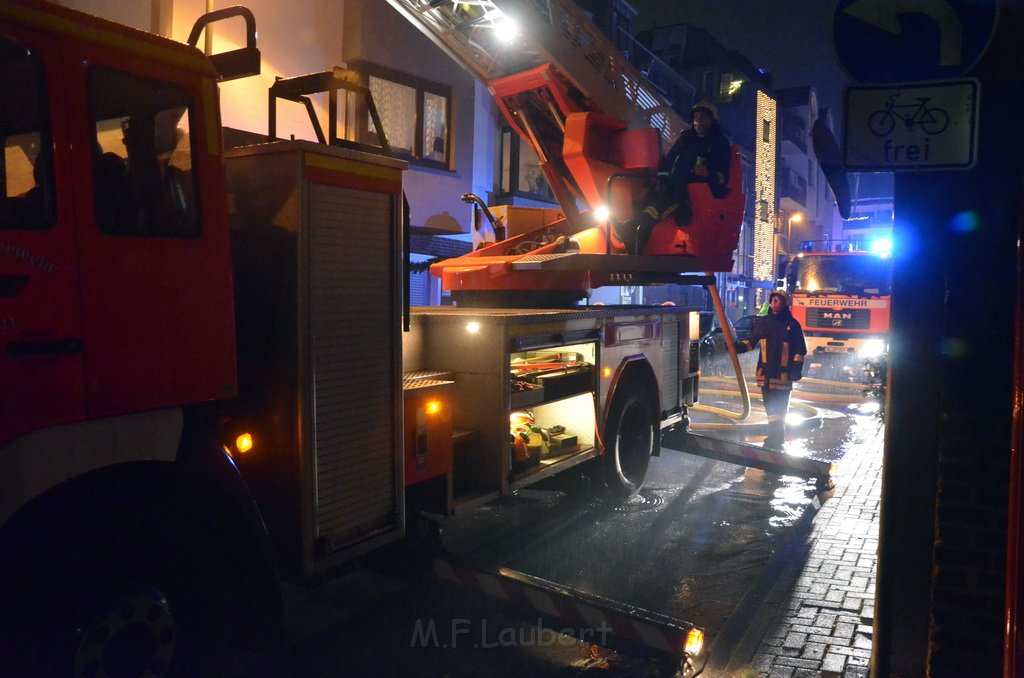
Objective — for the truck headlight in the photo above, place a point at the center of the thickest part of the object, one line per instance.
(872, 348)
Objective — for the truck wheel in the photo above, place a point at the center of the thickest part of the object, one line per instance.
(630, 438)
(134, 592)
(123, 606)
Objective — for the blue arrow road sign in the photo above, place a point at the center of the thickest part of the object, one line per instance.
(880, 41)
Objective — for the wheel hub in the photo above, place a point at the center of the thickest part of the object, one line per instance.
(135, 637)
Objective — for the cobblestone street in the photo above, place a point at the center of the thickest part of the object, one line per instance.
(817, 616)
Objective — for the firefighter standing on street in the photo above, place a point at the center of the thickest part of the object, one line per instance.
(780, 339)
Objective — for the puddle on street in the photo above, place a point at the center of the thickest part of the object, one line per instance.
(644, 500)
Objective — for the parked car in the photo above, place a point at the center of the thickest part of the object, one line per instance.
(743, 326)
(713, 351)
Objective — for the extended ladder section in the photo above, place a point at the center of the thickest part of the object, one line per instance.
(497, 38)
(756, 456)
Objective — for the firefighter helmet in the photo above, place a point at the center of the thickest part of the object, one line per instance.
(783, 294)
(707, 106)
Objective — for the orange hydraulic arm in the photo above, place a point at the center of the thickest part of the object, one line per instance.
(578, 102)
(593, 160)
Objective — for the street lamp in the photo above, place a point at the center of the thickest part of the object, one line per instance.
(794, 218)
(791, 218)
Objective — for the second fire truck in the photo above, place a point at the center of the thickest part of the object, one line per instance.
(841, 292)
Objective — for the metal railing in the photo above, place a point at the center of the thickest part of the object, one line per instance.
(675, 87)
(477, 34)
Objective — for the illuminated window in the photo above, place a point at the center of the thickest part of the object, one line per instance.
(520, 169)
(415, 114)
(396, 105)
(729, 86)
(764, 186)
(435, 125)
(723, 85)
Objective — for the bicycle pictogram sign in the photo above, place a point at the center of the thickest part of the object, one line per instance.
(931, 119)
(911, 126)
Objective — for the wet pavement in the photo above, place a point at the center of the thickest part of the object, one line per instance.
(811, 612)
(816, 618)
(782, 585)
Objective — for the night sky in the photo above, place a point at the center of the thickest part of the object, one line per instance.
(792, 39)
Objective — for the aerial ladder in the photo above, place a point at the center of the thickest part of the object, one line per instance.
(598, 128)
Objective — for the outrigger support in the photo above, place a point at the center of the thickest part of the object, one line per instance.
(590, 618)
(755, 456)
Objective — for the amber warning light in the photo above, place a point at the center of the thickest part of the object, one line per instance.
(694, 642)
(243, 443)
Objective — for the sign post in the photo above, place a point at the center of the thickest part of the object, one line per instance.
(912, 113)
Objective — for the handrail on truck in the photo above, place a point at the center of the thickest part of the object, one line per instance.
(237, 63)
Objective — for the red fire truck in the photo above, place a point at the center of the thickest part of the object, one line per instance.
(207, 388)
(841, 296)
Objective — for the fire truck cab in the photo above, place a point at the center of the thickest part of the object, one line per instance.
(116, 325)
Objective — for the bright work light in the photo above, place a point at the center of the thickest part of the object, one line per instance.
(506, 30)
(872, 348)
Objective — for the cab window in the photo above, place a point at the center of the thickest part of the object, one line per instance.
(144, 184)
(27, 177)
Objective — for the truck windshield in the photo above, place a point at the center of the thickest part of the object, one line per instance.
(844, 274)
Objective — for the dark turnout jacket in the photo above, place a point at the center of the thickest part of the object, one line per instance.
(691, 149)
(780, 339)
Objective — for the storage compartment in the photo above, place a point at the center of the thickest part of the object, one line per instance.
(552, 403)
(550, 374)
(502, 362)
(554, 433)
(525, 393)
(566, 382)
(427, 425)
(325, 390)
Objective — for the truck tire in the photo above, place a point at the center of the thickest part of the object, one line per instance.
(134, 591)
(630, 439)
